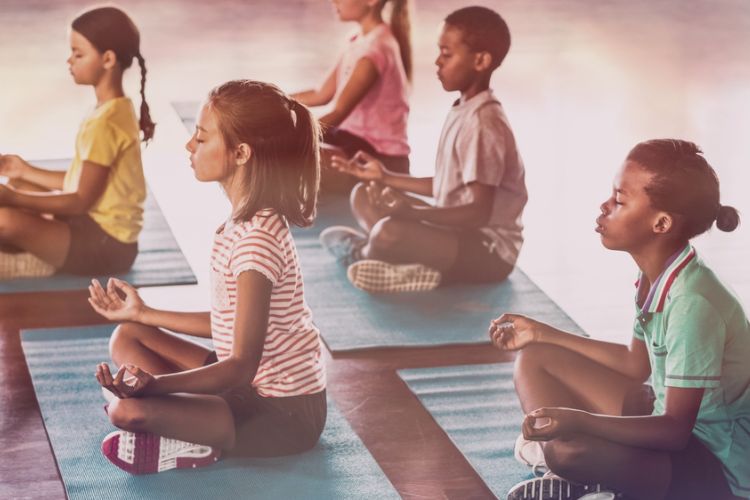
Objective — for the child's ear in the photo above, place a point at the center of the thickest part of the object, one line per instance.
(109, 58)
(664, 223)
(242, 154)
(483, 61)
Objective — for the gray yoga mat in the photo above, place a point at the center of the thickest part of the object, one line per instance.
(159, 262)
(61, 362)
(476, 405)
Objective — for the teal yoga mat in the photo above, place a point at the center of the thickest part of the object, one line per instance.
(477, 407)
(350, 319)
(61, 363)
(159, 262)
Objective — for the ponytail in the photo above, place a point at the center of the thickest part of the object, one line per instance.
(307, 133)
(145, 123)
(401, 29)
(727, 218)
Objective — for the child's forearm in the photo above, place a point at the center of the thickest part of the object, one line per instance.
(212, 379)
(50, 179)
(656, 432)
(617, 357)
(197, 324)
(464, 216)
(407, 183)
(48, 202)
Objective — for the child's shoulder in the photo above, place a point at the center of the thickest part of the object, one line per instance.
(265, 223)
(699, 283)
(116, 114)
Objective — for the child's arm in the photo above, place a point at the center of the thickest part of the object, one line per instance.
(670, 431)
(91, 185)
(16, 168)
(473, 214)
(368, 168)
(121, 302)
(320, 96)
(250, 326)
(514, 331)
(363, 77)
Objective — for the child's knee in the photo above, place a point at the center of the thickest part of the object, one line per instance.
(125, 333)
(564, 457)
(8, 223)
(387, 233)
(530, 358)
(358, 196)
(127, 414)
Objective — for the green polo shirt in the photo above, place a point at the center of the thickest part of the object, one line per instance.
(698, 336)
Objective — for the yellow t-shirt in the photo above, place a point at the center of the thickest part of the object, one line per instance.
(110, 137)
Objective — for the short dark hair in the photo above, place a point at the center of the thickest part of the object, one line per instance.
(484, 30)
(284, 167)
(684, 185)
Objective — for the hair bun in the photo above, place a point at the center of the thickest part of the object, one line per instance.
(728, 218)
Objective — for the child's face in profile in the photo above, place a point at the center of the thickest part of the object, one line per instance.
(208, 153)
(456, 62)
(85, 62)
(628, 220)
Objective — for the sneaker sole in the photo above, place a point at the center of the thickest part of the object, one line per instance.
(382, 277)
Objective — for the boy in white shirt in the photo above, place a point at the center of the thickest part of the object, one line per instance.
(473, 233)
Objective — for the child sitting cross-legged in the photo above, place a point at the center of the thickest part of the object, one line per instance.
(473, 232)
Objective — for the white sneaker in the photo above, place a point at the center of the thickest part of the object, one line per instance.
(344, 243)
(384, 277)
(531, 454)
(23, 265)
(553, 487)
(146, 453)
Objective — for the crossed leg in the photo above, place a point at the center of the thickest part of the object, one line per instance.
(400, 241)
(48, 239)
(201, 419)
(554, 376)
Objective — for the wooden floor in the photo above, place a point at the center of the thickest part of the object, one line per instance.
(413, 451)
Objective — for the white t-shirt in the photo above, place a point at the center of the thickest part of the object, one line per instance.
(381, 116)
(477, 145)
(291, 363)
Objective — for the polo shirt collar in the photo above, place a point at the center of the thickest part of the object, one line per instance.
(657, 294)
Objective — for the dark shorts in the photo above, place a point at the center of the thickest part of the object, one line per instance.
(93, 251)
(332, 181)
(351, 144)
(696, 472)
(271, 427)
(477, 261)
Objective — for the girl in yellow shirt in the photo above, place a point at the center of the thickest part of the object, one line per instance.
(85, 220)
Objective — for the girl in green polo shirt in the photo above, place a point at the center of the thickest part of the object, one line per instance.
(586, 418)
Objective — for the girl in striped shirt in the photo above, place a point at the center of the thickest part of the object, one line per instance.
(261, 390)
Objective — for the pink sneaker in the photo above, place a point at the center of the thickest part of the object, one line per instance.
(146, 453)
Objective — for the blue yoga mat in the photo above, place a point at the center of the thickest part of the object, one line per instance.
(62, 361)
(159, 262)
(477, 407)
(350, 319)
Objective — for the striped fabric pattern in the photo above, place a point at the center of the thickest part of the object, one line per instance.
(291, 363)
(657, 294)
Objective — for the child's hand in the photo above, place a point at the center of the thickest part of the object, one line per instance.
(110, 304)
(117, 385)
(4, 194)
(361, 165)
(12, 166)
(545, 424)
(392, 202)
(511, 332)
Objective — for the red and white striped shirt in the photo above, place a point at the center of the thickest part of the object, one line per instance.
(291, 363)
